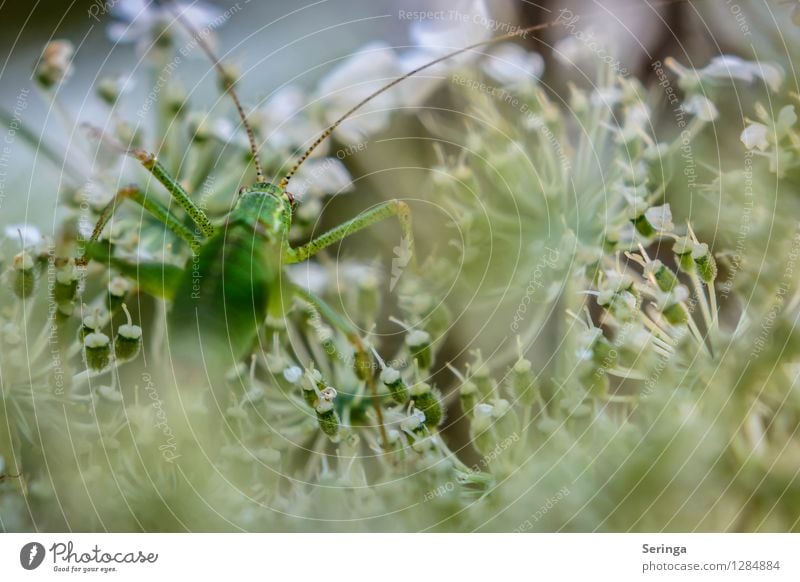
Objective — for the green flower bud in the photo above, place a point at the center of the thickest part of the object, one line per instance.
(643, 227)
(91, 323)
(128, 340)
(705, 263)
(665, 278)
(362, 365)
(311, 387)
(523, 382)
(683, 254)
(118, 288)
(419, 344)
(66, 283)
(55, 65)
(427, 403)
(97, 351)
(25, 275)
(398, 390)
(467, 395)
(109, 89)
(675, 314)
(326, 415)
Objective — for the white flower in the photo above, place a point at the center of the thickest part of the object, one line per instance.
(660, 217)
(144, 22)
(786, 120)
(728, 67)
(285, 124)
(512, 66)
(733, 67)
(293, 374)
(467, 24)
(353, 80)
(755, 136)
(30, 235)
(310, 275)
(701, 107)
(318, 177)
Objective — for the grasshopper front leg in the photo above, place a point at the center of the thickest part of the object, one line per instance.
(380, 212)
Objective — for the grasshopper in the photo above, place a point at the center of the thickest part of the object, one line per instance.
(220, 303)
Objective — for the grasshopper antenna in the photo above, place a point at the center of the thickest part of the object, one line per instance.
(329, 131)
(228, 84)
(513, 34)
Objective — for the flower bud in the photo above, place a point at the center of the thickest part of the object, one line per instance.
(292, 374)
(97, 351)
(326, 415)
(683, 254)
(467, 395)
(705, 263)
(362, 365)
(66, 283)
(128, 340)
(664, 277)
(419, 344)
(55, 64)
(398, 390)
(118, 288)
(24, 275)
(426, 401)
(90, 323)
(523, 382)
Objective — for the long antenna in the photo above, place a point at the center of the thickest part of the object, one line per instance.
(329, 131)
(228, 83)
(513, 34)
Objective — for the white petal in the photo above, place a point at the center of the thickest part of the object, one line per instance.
(128, 10)
(701, 107)
(31, 236)
(755, 136)
(470, 26)
(660, 217)
(733, 67)
(786, 119)
(311, 276)
(511, 65)
(353, 80)
(322, 176)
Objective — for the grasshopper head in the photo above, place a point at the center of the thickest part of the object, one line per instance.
(267, 208)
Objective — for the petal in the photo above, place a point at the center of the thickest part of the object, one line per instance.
(660, 217)
(701, 107)
(755, 136)
(468, 23)
(31, 236)
(355, 79)
(512, 65)
(322, 176)
(786, 120)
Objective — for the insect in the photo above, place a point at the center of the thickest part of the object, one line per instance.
(220, 301)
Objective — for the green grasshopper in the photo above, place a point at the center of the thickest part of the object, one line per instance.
(219, 303)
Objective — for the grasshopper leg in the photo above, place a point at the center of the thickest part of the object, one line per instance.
(363, 359)
(380, 212)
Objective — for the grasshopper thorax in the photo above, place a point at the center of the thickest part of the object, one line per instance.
(266, 207)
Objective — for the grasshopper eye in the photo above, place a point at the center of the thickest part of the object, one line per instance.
(292, 200)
